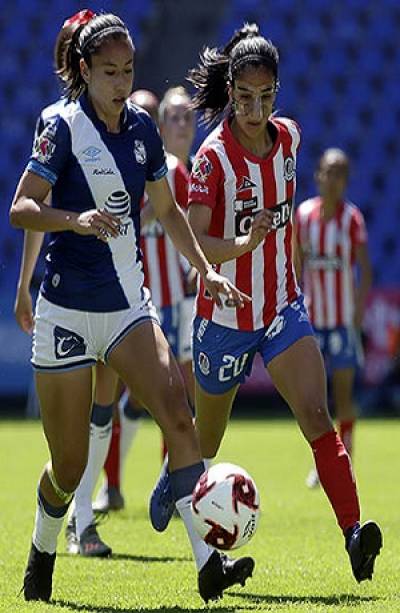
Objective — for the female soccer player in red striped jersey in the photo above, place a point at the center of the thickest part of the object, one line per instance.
(240, 209)
(331, 240)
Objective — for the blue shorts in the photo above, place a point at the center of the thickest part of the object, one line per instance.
(341, 347)
(223, 357)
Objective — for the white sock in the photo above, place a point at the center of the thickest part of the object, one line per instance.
(201, 550)
(46, 530)
(100, 437)
(129, 429)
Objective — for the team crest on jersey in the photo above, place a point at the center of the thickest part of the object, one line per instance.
(140, 152)
(44, 146)
(289, 169)
(202, 168)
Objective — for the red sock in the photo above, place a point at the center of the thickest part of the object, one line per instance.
(111, 465)
(336, 477)
(346, 434)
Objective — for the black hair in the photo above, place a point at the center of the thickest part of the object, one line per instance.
(83, 42)
(218, 67)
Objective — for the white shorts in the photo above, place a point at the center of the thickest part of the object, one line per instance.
(186, 309)
(64, 339)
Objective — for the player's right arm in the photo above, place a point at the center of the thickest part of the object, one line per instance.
(23, 301)
(218, 250)
(30, 211)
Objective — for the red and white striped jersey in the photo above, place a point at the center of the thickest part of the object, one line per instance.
(236, 185)
(163, 273)
(329, 253)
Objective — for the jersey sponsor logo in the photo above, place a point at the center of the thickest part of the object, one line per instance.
(118, 203)
(55, 280)
(201, 189)
(282, 214)
(202, 168)
(204, 363)
(90, 155)
(67, 344)
(246, 183)
(140, 152)
(323, 262)
(245, 210)
(102, 171)
(289, 169)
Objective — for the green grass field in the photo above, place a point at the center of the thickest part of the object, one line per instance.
(301, 564)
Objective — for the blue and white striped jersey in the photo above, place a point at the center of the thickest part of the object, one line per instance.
(88, 167)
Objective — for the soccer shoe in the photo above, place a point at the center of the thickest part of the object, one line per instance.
(108, 499)
(363, 544)
(312, 480)
(220, 572)
(72, 545)
(38, 575)
(91, 545)
(162, 504)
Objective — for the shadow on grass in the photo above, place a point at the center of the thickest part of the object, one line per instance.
(129, 556)
(351, 600)
(73, 606)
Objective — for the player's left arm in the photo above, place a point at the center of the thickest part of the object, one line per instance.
(297, 253)
(364, 284)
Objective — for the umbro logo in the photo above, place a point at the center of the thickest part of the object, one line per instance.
(91, 154)
(67, 344)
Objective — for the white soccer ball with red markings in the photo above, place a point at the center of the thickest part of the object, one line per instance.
(225, 506)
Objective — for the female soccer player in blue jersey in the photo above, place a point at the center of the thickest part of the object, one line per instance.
(97, 154)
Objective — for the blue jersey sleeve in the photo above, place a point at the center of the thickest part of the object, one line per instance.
(157, 164)
(51, 147)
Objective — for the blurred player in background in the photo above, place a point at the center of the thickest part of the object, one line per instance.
(331, 242)
(82, 535)
(97, 154)
(241, 197)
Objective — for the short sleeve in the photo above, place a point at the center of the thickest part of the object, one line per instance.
(205, 179)
(51, 148)
(157, 164)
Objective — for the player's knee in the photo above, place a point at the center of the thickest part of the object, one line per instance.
(69, 473)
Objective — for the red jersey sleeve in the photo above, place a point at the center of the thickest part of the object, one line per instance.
(181, 179)
(205, 179)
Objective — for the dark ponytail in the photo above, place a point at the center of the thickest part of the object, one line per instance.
(218, 67)
(82, 40)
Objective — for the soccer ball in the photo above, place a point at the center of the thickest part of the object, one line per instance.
(225, 506)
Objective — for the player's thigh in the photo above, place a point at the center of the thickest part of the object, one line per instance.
(65, 405)
(212, 416)
(342, 391)
(106, 384)
(298, 373)
(145, 362)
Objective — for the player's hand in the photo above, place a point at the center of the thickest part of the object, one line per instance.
(261, 225)
(216, 284)
(97, 223)
(23, 310)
